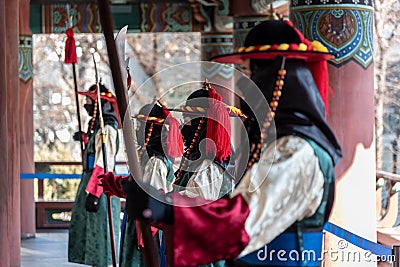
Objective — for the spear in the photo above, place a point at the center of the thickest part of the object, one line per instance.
(105, 165)
(129, 137)
(71, 58)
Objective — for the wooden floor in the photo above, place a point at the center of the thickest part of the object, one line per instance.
(47, 249)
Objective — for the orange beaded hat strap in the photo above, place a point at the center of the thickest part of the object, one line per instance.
(146, 142)
(188, 151)
(255, 153)
(95, 107)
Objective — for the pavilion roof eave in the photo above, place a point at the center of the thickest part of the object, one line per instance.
(114, 2)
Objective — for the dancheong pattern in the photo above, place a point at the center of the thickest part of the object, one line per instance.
(328, 2)
(25, 58)
(165, 17)
(85, 18)
(345, 29)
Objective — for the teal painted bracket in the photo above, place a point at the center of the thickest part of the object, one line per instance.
(122, 15)
(35, 19)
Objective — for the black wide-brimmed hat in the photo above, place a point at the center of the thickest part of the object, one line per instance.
(278, 38)
(105, 95)
(280, 50)
(206, 102)
(273, 38)
(158, 114)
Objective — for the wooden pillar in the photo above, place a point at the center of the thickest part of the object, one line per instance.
(346, 29)
(9, 136)
(13, 112)
(214, 44)
(4, 186)
(247, 14)
(28, 227)
(216, 39)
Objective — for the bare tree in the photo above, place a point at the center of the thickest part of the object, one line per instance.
(55, 118)
(154, 52)
(386, 32)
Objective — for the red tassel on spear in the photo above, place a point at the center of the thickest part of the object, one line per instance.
(70, 47)
(70, 58)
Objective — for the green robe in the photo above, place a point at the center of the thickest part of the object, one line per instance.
(130, 255)
(225, 188)
(89, 238)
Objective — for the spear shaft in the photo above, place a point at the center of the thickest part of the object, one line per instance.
(78, 112)
(151, 258)
(70, 58)
(105, 165)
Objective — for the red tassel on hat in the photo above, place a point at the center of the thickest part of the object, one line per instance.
(70, 47)
(319, 71)
(108, 97)
(174, 137)
(218, 127)
(128, 80)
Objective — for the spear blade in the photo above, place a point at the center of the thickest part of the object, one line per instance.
(122, 99)
(120, 45)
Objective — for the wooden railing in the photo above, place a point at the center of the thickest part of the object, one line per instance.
(46, 210)
(387, 205)
(55, 213)
(388, 176)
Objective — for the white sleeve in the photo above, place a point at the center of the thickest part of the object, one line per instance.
(206, 182)
(279, 194)
(111, 147)
(155, 174)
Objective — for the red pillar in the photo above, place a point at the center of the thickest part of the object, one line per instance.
(216, 39)
(9, 136)
(346, 30)
(4, 185)
(214, 44)
(28, 227)
(13, 112)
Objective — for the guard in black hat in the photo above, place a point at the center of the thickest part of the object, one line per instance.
(292, 74)
(88, 240)
(206, 169)
(286, 194)
(159, 142)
